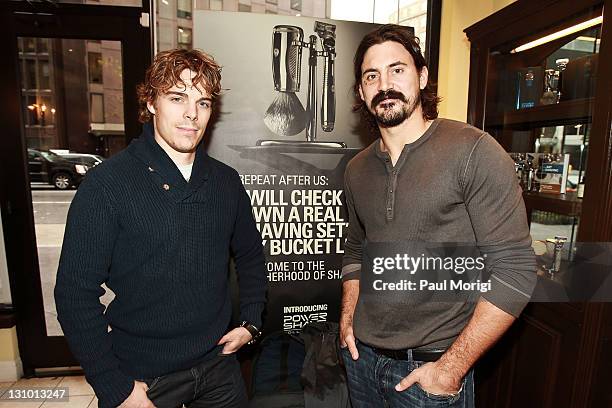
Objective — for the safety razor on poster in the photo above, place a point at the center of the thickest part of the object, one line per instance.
(286, 116)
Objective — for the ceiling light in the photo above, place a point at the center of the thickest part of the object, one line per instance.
(590, 39)
(559, 34)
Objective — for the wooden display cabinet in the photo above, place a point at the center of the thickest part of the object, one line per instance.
(556, 354)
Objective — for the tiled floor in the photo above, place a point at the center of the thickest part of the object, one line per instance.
(80, 393)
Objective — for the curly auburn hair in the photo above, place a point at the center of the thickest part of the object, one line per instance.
(165, 72)
(393, 32)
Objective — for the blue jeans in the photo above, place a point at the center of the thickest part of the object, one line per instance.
(372, 379)
(215, 383)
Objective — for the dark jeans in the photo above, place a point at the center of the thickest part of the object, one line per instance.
(372, 379)
(216, 382)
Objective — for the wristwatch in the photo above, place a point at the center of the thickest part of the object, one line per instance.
(255, 333)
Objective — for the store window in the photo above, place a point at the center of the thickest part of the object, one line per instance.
(38, 110)
(42, 45)
(29, 44)
(165, 9)
(183, 9)
(44, 75)
(46, 111)
(296, 5)
(94, 65)
(184, 38)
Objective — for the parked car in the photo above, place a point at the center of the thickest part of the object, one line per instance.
(62, 171)
(90, 160)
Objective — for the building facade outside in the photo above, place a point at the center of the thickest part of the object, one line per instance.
(72, 94)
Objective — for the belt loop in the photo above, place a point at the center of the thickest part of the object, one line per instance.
(409, 353)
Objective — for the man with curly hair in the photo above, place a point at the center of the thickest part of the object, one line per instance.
(429, 181)
(157, 224)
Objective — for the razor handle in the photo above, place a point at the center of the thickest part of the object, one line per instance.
(328, 97)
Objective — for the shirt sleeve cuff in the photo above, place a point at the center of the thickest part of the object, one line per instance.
(112, 388)
(507, 297)
(351, 272)
(252, 314)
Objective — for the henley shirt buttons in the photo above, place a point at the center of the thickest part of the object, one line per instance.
(166, 187)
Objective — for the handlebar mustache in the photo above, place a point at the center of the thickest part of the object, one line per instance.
(388, 94)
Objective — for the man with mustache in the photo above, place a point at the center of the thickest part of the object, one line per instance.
(157, 223)
(428, 180)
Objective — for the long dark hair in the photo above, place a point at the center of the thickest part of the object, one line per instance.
(404, 36)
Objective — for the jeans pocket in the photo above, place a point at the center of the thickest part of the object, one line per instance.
(229, 368)
(344, 351)
(442, 398)
(227, 356)
(346, 348)
(152, 383)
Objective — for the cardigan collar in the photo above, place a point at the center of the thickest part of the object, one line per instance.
(157, 160)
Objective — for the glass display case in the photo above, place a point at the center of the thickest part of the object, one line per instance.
(540, 84)
(539, 100)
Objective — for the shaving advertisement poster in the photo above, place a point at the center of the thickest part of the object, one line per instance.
(285, 124)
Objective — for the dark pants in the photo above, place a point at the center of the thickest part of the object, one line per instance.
(216, 382)
(372, 379)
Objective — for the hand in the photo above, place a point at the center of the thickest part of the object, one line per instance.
(432, 379)
(347, 339)
(235, 339)
(138, 398)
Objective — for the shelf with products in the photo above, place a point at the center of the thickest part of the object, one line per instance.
(540, 102)
(566, 204)
(551, 180)
(565, 112)
(553, 176)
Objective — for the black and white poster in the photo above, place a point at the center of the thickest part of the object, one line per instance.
(285, 124)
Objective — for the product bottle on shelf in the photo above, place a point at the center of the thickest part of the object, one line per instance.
(580, 192)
